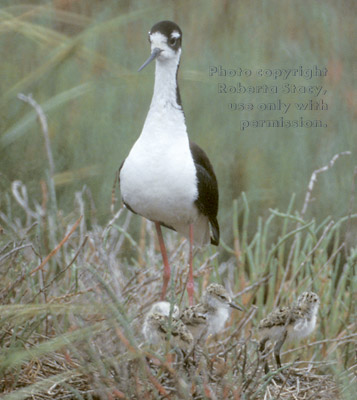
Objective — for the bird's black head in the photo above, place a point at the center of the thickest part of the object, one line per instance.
(170, 31)
(165, 39)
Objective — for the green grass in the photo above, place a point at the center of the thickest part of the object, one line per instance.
(72, 311)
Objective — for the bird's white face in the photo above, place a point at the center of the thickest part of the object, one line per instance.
(217, 296)
(163, 308)
(217, 302)
(165, 39)
(170, 47)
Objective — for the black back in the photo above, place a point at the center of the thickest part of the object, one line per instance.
(207, 201)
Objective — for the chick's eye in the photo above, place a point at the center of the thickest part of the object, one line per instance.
(172, 41)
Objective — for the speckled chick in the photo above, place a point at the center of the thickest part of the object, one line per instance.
(289, 323)
(210, 315)
(156, 327)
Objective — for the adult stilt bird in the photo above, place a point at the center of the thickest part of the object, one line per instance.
(166, 178)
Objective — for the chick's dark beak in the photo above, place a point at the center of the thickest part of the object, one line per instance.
(153, 55)
(233, 305)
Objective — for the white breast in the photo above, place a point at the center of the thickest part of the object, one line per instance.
(299, 330)
(217, 320)
(303, 328)
(151, 334)
(158, 178)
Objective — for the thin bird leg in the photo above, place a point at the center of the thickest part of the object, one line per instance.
(277, 348)
(190, 284)
(167, 272)
(262, 344)
(262, 350)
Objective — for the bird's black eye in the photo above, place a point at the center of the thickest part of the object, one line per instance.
(173, 41)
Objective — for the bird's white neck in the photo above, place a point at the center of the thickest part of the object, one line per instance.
(165, 88)
(165, 118)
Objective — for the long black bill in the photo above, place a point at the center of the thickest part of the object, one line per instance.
(153, 55)
(233, 305)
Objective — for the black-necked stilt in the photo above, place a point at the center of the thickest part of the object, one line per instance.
(210, 315)
(289, 323)
(157, 325)
(166, 178)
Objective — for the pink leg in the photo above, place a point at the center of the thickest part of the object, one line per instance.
(190, 284)
(167, 272)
